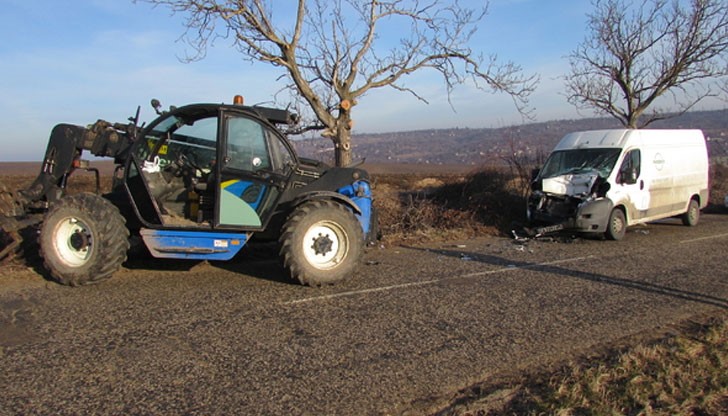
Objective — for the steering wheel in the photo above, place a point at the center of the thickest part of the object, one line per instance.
(183, 165)
(189, 161)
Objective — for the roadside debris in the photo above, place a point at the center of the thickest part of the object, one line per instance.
(522, 235)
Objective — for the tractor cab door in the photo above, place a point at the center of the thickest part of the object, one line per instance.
(253, 166)
(169, 166)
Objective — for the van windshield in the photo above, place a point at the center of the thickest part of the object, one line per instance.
(563, 162)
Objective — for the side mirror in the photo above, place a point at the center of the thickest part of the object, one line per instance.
(603, 188)
(534, 173)
(535, 185)
(156, 105)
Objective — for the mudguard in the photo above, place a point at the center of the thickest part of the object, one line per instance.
(357, 197)
(311, 196)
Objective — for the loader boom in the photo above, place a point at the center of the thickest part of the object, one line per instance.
(63, 155)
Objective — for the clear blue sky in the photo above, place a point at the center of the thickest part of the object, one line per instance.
(81, 60)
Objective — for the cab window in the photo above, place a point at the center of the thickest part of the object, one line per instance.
(252, 147)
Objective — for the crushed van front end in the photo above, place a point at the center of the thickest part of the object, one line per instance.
(550, 212)
(573, 202)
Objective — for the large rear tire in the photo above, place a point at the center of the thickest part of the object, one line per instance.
(83, 240)
(321, 243)
(692, 215)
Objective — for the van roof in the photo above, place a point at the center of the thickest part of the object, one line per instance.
(620, 138)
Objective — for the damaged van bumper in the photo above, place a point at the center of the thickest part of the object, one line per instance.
(553, 213)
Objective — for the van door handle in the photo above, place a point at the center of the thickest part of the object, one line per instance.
(642, 184)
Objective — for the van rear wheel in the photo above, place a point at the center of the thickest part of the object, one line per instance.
(617, 226)
(692, 215)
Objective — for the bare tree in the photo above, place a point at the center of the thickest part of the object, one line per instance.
(635, 53)
(334, 51)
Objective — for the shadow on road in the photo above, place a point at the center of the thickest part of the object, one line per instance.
(257, 260)
(592, 277)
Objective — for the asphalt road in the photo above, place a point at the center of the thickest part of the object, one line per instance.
(412, 327)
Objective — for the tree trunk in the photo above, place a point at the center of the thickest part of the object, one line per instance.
(342, 145)
(633, 118)
(342, 140)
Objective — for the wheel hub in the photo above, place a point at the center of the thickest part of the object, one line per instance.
(322, 244)
(325, 245)
(73, 241)
(78, 240)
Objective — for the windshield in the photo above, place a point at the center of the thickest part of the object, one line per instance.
(563, 162)
(172, 137)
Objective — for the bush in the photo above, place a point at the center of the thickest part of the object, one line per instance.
(416, 208)
(718, 185)
(489, 196)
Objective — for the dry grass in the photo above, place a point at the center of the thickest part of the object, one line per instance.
(678, 375)
(683, 375)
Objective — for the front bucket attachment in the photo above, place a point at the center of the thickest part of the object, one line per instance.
(10, 204)
(12, 220)
(9, 239)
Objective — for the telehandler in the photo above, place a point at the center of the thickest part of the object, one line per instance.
(198, 182)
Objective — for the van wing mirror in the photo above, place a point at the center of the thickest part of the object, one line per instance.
(535, 186)
(534, 173)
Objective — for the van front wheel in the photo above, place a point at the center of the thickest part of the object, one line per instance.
(617, 226)
(692, 215)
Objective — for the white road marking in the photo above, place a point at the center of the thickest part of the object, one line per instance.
(710, 237)
(433, 281)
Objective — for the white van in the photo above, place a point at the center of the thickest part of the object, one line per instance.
(605, 180)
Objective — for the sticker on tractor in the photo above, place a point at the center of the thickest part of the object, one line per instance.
(152, 142)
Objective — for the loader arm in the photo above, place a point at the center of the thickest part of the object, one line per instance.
(63, 155)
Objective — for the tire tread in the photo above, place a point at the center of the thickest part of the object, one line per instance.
(288, 252)
(111, 242)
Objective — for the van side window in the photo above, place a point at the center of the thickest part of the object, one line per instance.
(630, 169)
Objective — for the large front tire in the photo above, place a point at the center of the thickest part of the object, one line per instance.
(83, 240)
(321, 243)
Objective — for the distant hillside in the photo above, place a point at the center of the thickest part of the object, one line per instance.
(488, 146)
